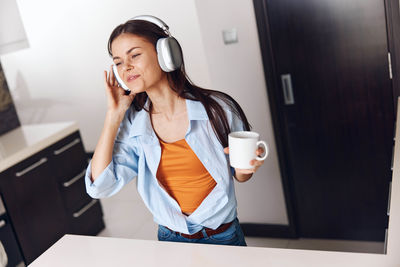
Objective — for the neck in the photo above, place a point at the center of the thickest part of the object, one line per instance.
(165, 101)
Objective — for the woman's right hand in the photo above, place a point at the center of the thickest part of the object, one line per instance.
(117, 100)
(118, 103)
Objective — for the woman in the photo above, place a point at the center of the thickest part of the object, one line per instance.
(171, 135)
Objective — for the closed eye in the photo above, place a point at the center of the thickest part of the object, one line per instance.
(133, 56)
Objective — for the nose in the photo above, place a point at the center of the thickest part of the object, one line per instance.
(127, 66)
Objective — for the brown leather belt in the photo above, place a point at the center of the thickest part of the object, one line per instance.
(209, 231)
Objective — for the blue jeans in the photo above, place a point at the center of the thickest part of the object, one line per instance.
(232, 236)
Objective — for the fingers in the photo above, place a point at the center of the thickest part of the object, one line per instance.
(113, 81)
(110, 80)
(259, 151)
(106, 82)
(132, 96)
(105, 77)
(226, 150)
(256, 163)
(245, 171)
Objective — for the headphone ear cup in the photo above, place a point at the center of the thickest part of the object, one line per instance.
(169, 54)
(119, 80)
(161, 50)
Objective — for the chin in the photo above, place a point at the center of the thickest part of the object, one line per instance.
(137, 90)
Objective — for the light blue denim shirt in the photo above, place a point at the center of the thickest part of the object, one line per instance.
(137, 153)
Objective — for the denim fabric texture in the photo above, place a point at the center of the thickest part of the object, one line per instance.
(232, 236)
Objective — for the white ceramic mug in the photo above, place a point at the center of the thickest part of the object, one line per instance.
(242, 149)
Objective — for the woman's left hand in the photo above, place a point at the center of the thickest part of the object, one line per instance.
(256, 163)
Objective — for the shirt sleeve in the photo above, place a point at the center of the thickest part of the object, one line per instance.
(121, 170)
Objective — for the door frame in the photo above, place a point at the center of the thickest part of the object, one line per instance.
(264, 32)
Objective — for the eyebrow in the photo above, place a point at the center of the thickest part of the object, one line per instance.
(127, 52)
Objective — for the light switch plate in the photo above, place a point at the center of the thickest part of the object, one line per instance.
(230, 36)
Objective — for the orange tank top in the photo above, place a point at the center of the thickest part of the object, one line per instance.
(183, 175)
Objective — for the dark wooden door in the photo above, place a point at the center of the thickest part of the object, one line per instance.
(337, 121)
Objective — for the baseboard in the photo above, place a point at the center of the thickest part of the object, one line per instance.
(268, 230)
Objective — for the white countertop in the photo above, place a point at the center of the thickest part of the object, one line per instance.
(73, 250)
(27, 140)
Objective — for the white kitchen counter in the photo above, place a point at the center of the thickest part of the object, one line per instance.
(27, 140)
(72, 250)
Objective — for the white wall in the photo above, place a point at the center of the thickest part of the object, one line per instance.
(237, 70)
(11, 38)
(60, 77)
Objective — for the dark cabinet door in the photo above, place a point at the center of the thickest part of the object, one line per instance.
(73, 191)
(34, 204)
(87, 220)
(69, 166)
(70, 162)
(9, 242)
(334, 100)
(69, 157)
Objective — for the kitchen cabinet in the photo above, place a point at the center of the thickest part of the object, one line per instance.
(8, 240)
(45, 195)
(81, 210)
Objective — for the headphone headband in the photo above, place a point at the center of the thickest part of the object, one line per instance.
(169, 53)
(154, 20)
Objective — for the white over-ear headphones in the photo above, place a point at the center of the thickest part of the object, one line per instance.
(168, 50)
(169, 53)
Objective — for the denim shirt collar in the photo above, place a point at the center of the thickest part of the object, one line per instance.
(141, 123)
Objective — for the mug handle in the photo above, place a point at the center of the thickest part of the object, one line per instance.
(265, 149)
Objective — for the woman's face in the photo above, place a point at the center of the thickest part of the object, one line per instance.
(137, 62)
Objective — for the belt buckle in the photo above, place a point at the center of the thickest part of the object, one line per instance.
(209, 231)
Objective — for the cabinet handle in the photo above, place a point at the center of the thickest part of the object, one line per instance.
(66, 147)
(2, 223)
(33, 166)
(73, 180)
(81, 211)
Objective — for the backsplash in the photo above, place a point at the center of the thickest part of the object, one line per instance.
(8, 115)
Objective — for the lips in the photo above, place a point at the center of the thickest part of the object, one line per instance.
(132, 77)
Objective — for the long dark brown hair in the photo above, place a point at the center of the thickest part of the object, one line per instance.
(182, 85)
